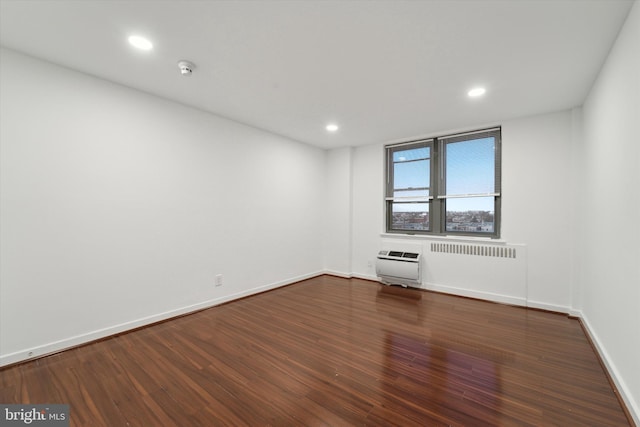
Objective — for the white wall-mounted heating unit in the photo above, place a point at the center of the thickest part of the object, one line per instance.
(398, 268)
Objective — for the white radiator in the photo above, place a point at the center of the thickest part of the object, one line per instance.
(398, 268)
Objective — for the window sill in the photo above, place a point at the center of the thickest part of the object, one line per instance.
(462, 239)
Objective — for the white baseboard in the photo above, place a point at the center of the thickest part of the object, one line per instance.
(488, 296)
(506, 299)
(67, 343)
(338, 274)
(366, 277)
(623, 390)
(352, 275)
(575, 313)
(549, 307)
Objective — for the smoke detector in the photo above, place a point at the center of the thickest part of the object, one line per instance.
(186, 67)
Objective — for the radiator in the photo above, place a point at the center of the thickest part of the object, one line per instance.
(398, 268)
(491, 271)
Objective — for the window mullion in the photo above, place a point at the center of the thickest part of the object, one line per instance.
(435, 208)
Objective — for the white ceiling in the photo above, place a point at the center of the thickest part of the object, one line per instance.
(382, 70)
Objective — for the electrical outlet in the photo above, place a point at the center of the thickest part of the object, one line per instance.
(219, 280)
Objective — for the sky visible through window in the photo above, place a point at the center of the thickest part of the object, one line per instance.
(469, 168)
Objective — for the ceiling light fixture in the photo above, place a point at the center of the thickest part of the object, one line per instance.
(475, 92)
(140, 43)
(332, 127)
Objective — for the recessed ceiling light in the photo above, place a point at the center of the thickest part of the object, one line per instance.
(475, 92)
(140, 42)
(332, 127)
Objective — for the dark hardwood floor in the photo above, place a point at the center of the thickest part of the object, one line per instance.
(332, 352)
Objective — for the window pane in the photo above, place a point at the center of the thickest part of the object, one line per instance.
(414, 174)
(470, 167)
(411, 168)
(471, 214)
(419, 153)
(410, 216)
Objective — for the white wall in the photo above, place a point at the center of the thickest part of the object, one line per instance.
(368, 208)
(536, 158)
(537, 203)
(337, 212)
(610, 206)
(119, 208)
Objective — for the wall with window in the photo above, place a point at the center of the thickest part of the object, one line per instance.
(119, 208)
(536, 216)
(570, 197)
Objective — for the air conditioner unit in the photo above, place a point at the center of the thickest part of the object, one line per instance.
(398, 268)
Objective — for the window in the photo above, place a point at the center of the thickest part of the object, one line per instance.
(445, 185)
(409, 191)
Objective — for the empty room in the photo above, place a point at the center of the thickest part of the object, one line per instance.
(319, 213)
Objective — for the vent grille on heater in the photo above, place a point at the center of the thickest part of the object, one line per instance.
(478, 250)
(400, 256)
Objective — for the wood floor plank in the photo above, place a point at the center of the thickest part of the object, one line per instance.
(330, 351)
